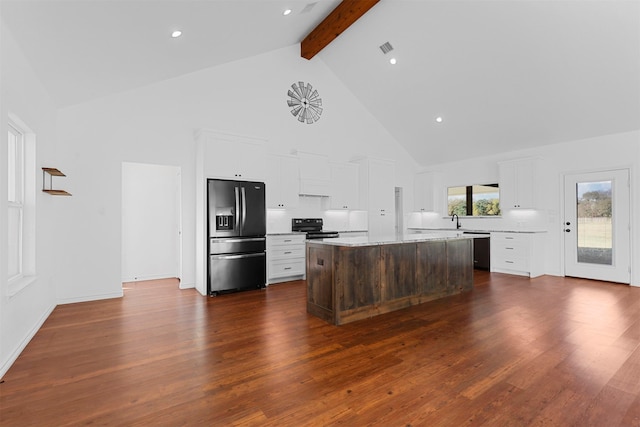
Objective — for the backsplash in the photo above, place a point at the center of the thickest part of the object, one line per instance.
(515, 219)
(279, 220)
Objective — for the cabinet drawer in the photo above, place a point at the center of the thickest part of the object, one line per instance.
(287, 239)
(517, 264)
(509, 238)
(284, 268)
(287, 252)
(510, 249)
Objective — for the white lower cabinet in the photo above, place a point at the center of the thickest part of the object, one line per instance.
(285, 257)
(517, 253)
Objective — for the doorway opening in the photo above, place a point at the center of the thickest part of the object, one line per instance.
(151, 222)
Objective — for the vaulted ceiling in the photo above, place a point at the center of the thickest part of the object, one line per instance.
(502, 75)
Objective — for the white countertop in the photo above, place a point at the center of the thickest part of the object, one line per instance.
(367, 241)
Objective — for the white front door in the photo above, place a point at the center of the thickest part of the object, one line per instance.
(596, 226)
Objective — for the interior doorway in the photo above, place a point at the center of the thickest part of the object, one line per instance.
(597, 225)
(151, 222)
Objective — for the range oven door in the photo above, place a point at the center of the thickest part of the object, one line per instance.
(237, 272)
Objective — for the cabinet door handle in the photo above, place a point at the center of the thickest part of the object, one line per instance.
(509, 248)
(287, 252)
(509, 262)
(287, 240)
(287, 268)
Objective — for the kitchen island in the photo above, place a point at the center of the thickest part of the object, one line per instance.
(350, 279)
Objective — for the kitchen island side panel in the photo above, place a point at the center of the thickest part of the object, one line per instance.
(431, 267)
(398, 273)
(357, 276)
(320, 282)
(459, 266)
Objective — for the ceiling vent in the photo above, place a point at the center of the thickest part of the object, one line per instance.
(386, 48)
(308, 7)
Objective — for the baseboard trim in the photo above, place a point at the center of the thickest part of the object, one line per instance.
(4, 368)
(187, 285)
(87, 298)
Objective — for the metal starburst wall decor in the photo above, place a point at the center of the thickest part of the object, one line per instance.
(305, 103)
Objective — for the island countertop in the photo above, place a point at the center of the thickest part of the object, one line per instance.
(375, 241)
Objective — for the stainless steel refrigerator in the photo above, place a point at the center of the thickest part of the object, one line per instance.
(237, 229)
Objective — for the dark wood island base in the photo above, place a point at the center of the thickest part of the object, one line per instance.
(351, 282)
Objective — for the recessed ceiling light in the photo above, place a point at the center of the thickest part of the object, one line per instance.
(176, 33)
(286, 12)
(393, 61)
(439, 119)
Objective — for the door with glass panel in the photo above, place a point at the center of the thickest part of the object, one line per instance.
(596, 226)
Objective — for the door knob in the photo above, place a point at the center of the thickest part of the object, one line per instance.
(567, 223)
(568, 230)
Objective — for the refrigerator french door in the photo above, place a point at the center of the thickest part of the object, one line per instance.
(237, 229)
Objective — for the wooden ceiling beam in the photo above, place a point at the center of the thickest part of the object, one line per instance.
(341, 18)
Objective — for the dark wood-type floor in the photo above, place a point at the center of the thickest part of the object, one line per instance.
(512, 352)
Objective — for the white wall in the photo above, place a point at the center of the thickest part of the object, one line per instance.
(156, 125)
(599, 153)
(22, 95)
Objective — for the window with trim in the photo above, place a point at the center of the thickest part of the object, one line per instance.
(15, 169)
(474, 200)
(21, 205)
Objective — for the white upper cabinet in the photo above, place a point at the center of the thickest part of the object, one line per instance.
(344, 186)
(282, 181)
(518, 184)
(315, 175)
(426, 192)
(232, 156)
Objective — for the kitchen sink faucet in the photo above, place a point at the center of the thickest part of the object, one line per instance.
(457, 218)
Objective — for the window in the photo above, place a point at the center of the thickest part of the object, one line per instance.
(15, 169)
(474, 200)
(21, 197)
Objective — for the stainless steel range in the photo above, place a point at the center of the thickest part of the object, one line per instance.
(312, 227)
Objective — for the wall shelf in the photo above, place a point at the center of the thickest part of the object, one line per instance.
(52, 172)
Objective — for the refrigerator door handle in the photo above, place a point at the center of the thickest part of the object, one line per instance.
(244, 207)
(237, 212)
(244, 239)
(237, 256)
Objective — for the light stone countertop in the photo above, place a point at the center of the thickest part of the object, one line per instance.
(475, 230)
(367, 241)
(289, 233)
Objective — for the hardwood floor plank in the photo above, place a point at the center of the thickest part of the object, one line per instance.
(607, 408)
(512, 352)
